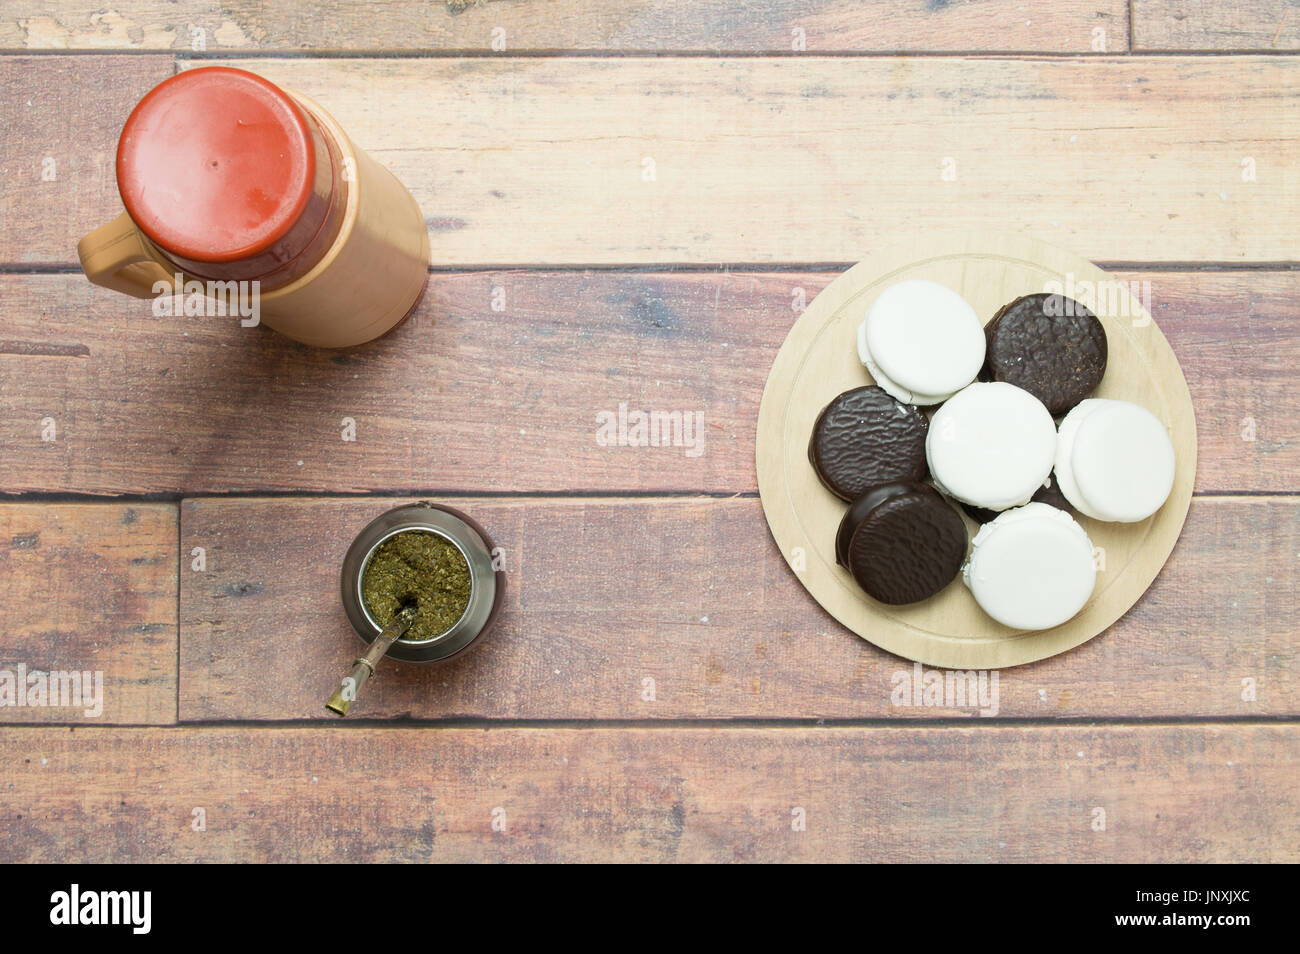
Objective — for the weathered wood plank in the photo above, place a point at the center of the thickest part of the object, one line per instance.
(1009, 793)
(603, 595)
(818, 159)
(1245, 321)
(60, 117)
(89, 588)
(547, 161)
(762, 26)
(466, 398)
(1211, 25)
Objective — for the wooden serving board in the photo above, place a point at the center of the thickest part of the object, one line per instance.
(819, 359)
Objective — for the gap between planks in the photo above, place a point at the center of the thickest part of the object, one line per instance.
(22, 269)
(356, 723)
(593, 496)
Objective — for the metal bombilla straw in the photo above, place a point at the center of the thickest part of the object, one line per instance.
(364, 666)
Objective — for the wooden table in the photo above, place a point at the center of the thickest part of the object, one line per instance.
(627, 203)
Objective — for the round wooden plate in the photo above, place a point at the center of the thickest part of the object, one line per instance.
(819, 359)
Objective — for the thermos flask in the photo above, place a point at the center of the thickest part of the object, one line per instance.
(227, 178)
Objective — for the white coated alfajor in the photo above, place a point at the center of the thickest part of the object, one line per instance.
(1064, 445)
(991, 445)
(892, 388)
(921, 341)
(1031, 567)
(1114, 460)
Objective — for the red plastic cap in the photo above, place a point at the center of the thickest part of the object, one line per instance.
(215, 164)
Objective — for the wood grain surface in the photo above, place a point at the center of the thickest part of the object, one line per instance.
(693, 595)
(547, 161)
(716, 26)
(1211, 25)
(541, 139)
(59, 122)
(90, 588)
(1164, 793)
(661, 26)
(195, 405)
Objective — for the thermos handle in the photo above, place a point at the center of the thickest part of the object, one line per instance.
(114, 256)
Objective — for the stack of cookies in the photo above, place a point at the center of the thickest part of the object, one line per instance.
(992, 446)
